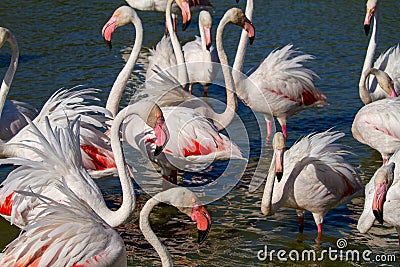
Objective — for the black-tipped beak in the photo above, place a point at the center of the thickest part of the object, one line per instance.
(109, 44)
(378, 215)
(158, 150)
(279, 176)
(251, 39)
(366, 29)
(208, 47)
(186, 25)
(202, 235)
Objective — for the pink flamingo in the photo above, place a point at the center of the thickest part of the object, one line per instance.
(376, 124)
(382, 196)
(310, 176)
(194, 139)
(279, 86)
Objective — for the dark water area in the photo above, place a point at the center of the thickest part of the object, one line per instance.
(61, 46)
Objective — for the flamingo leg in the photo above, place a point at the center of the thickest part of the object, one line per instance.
(301, 223)
(205, 90)
(284, 131)
(191, 88)
(269, 128)
(319, 226)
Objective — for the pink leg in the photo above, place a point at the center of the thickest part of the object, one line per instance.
(319, 226)
(384, 160)
(301, 224)
(284, 131)
(205, 90)
(190, 89)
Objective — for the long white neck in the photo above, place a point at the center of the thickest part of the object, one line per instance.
(202, 37)
(120, 83)
(241, 50)
(115, 218)
(6, 84)
(224, 119)
(150, 236)
(266, 202)
(180, 60)
(364, 91)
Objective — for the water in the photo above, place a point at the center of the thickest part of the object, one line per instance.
(61, 46)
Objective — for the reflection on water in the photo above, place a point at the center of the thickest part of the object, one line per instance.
(61, 46)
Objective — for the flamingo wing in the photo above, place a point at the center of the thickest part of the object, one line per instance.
(60, 158)
(376, 125)
(390, 63)
(65, 234)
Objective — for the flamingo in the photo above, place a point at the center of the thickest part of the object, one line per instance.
(200, 55)
(310, 176)
(161, 6)
(12, 113)
(187, 202)
(195, 139)
(388, 62)
(382, 197)
(376, 124)
(60, 159)
(69, 233)
(279, 86)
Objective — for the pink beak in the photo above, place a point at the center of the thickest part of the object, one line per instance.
(379, 199)
(279, 163)
(186, 15)
(249, 27)
(207, 32)
(203, 220)
(109, 29)
(162, 135)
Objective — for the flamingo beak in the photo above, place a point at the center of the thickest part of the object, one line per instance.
(379, 199)
(207, 31)
(203, 220)
(248, 26)
(162, 135)
(279, 163)
(108, 30)
(368, 19)
(186, 15)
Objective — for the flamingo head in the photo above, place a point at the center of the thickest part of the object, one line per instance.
(201, 216)
(384, 81)
(372, 6)
(383, 179)
(239, 18)
(186, 15)
(279, 144)
(156, 121)
(206, 22)
(121, 16)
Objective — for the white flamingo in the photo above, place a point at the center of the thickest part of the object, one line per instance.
(310, 176)
(194, 139)
(279, 86)
(382, 197)
(12, 113)
(376, 124)
(200, 55)
(187, 202)
(60, 159)
(388, 62)
(65, 234)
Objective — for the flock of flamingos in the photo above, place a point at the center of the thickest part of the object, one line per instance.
(51, 194)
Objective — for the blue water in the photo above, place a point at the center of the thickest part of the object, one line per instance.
(61, 46)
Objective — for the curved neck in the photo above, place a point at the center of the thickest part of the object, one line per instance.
(118, 217)
(150, 236)
(224, 119)
(266, 202)
(6, 84)
(120, 83)
(180, 60)
(241, 50)
(364, 91)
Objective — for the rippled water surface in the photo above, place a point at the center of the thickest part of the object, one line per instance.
(61, 46)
